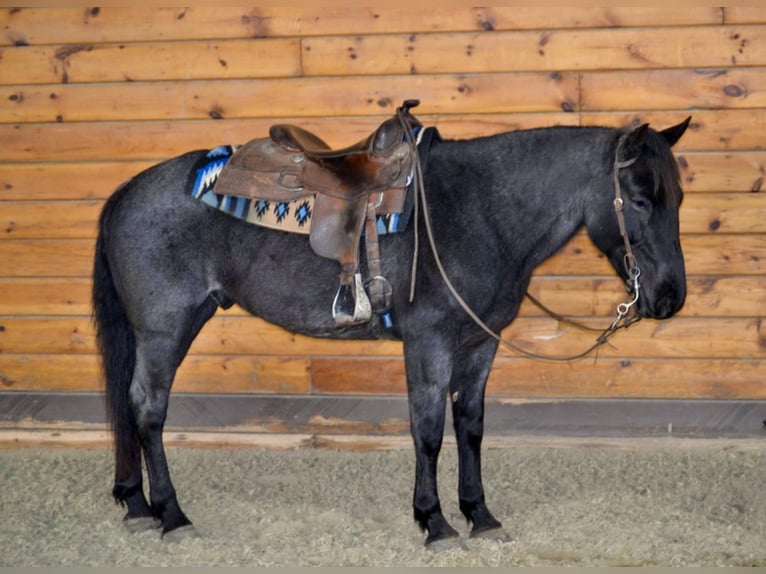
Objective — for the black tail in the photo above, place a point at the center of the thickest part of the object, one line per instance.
(117, 346)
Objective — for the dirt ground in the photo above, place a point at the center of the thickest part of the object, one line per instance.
(628, 502)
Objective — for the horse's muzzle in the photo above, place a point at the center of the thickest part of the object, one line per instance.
(662, 302)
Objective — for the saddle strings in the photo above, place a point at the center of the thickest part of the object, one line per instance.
(623, 320)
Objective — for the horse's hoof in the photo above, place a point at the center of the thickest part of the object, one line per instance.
(138, 524)
(494, 534)
(446, 544)
(186, 532)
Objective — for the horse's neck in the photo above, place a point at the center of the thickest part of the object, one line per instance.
(531, 187)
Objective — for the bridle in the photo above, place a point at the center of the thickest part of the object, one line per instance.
(623, 320)
(629, 260)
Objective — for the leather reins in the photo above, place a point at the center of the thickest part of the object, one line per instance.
(623, 320)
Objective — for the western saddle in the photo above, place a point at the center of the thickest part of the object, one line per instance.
(350, 187)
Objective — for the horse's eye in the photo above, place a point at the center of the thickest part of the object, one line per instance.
(641, 204)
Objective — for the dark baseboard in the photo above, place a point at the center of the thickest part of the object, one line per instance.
(378, 416)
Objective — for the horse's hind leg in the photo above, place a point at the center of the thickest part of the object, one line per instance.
(467, 387)
(128, 483)
(158, 355)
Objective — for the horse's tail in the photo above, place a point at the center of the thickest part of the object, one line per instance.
(116, 344)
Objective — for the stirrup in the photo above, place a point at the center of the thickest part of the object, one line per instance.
(351, 305)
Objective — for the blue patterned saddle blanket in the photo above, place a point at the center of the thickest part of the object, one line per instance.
(293, 216)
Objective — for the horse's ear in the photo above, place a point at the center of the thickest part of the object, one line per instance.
(635, 141)
(673, 134)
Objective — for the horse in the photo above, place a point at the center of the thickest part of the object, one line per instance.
(493, 209)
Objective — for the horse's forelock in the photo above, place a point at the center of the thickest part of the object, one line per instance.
(667, 179)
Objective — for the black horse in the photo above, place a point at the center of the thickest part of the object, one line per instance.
(498, 207)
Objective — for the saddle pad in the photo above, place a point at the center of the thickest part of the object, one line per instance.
(290, 216)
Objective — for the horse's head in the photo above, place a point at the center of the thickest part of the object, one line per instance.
(635, 223)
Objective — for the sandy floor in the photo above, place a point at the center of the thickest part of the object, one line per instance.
(659, 502)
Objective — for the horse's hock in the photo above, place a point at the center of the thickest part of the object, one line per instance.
(73, 133)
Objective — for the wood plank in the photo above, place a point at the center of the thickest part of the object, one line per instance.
(673, 338)
(109, 141)
(78, 180)
(107, 24)
(47, 258)
(83, 179)
(226, 335)
(82, 372)
(634, 378)
(15, 438)
(736, 171)
(45, 296)
(85, 63)
(510, 377)
(744, 15)
(706, 296)
(679, 337)
(148, 142)
(715, 213)
(299, 97)
(719, 130)
(732, 213)
(673, 89)
(524, 378)
(548, 50)
(570, 296)
(704, 255)
(49, 219)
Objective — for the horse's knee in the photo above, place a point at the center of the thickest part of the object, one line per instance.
(148, 409)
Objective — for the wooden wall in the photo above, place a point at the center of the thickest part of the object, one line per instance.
(91, 96)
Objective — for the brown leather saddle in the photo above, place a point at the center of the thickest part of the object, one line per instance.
(350, 186)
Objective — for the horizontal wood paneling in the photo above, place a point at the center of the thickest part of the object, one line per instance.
(523, 378)
(83, 63)
(724, 213)
(239, 335)
(720, 132)
(156, 140)
(552, 51)
(704, 255)
(736, 296)
(744, 15)
(91, 96)
(612, 378)
(300, 97)
(701, 171)
(674, 89)
(240, 374)
(140, 24)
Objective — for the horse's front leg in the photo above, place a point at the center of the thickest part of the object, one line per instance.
(429, 365)
(467, 386)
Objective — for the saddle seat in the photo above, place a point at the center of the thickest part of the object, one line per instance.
(372, 164)
(349, 185)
